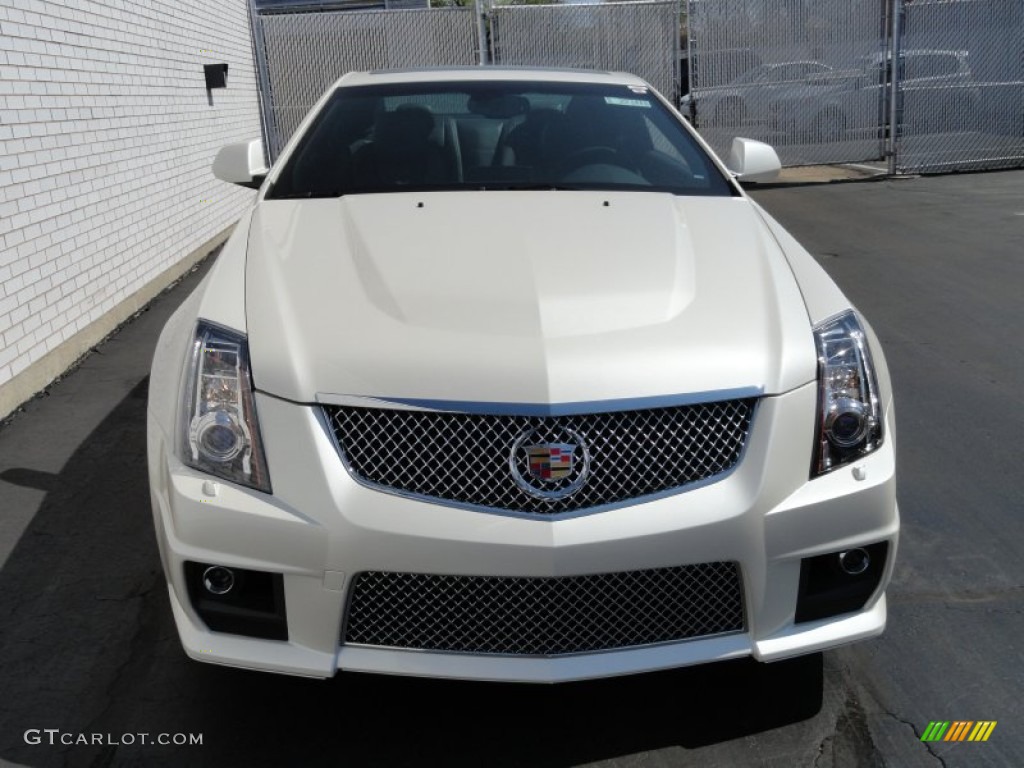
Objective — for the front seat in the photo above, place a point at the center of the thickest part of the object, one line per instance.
(403, 151)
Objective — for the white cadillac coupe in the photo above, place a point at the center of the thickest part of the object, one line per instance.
(505, 377)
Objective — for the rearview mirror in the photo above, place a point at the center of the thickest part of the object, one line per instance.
(241, 164)
(751, 160)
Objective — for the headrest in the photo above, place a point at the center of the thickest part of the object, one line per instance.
(409, 124)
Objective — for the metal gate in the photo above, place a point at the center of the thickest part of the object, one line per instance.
(960, 85)
(641, 38)
(301, 53)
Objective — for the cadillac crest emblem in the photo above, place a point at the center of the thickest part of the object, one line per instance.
(549, 462)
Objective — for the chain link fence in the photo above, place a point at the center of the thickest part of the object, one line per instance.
(814, 79)
(960, 85)
(808, 78)
(302, 48)
(304, 53)
(641, 38)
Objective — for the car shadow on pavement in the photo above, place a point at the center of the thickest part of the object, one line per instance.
(88, 646)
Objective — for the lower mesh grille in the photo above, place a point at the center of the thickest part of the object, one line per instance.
(544, 616)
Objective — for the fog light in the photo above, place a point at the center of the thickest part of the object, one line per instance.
(839, 582)
(854, 561)
(238, 600)
(218, 580)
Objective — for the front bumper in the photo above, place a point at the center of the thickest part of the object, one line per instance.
(321, 528)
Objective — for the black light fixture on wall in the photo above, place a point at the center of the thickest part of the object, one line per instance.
(216, 76)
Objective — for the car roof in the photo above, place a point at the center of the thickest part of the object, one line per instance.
(911, 52)
(799, 61)
(487, 74)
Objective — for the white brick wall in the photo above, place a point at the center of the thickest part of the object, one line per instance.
(106, 140)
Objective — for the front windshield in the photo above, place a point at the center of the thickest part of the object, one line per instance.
(496, 135)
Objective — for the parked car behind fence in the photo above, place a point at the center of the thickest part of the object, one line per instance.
(936, 87)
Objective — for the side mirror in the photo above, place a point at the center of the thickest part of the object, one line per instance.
(751, 160)
(241, 164)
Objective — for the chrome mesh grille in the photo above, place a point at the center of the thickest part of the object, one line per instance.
(544, 616)
(465, 458)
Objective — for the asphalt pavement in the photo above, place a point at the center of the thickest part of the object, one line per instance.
(88, 646)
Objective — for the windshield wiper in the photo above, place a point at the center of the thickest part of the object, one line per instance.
(303, 195)
(460, 187)
(530, 187)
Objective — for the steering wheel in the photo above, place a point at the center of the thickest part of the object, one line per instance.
(589, 156)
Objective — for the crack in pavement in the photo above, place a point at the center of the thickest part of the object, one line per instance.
(827, 741)
(913, 728)
(143, 593)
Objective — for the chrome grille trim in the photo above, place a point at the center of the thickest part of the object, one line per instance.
(543, 616)
(463, 459)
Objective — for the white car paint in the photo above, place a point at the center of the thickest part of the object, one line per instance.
(576, 312)
(493, 298)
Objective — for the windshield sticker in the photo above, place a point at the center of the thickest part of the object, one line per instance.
(616, 101)
(638, 88)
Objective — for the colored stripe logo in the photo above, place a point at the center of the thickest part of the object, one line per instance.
(958, 730)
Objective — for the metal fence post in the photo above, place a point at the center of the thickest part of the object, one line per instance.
(689, 63)
(482, 19)
(271, 138)
(894, 84)
(677, 80)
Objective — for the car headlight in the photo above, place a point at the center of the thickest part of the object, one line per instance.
(219, 432)
(849, 422)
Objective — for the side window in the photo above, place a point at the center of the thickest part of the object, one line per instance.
(792, 73)
(946, 65)
(811, 70)
(931, 65)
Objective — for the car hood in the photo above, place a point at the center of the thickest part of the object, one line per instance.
(521, 297)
